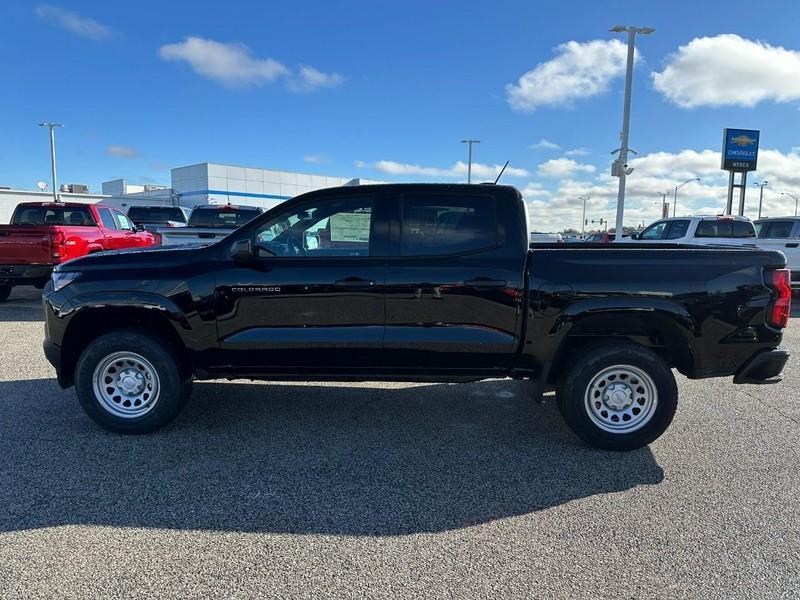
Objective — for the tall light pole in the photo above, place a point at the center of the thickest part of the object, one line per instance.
(793, 197)
(622, 166)
(469, 160)
(51, 127)
(675, 198)
(583, 221)
(761, 185)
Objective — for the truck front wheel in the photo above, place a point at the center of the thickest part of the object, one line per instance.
(128, 382)
(618, 396)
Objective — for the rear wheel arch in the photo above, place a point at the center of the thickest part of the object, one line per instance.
(661, 332)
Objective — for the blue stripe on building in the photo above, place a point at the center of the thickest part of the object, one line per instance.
(243, 194)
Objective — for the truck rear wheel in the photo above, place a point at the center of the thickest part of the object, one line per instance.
(618, 396)
(5, 291)
(128, 382)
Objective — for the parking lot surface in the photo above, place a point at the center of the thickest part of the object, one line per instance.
(391, 491)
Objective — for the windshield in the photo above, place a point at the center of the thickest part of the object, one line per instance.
(224, 217)
(156, 214)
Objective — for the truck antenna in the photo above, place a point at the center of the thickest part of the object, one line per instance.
(500, 174)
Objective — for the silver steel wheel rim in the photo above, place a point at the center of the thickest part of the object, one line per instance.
(126, 385)
(621, 399)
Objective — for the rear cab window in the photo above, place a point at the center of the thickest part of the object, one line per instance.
(439, 224)
(75, 216)
(222, 216)
(156, 214)
(725, 228)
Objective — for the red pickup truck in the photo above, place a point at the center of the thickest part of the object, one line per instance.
(44, 234)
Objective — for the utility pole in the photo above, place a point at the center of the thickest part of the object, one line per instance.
(675, 199)
(622, 170)
(793, 197)
(52, 126)
(583, 221)
(469, 160)
(761, 185)
(663, 204)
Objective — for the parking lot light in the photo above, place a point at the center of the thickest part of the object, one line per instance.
(52, 126)
(795, 198)
(675, 198)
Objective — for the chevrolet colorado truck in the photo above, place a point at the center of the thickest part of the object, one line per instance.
(44, 234)
(416, 282)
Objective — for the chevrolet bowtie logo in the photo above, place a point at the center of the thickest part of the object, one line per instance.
(743, 140)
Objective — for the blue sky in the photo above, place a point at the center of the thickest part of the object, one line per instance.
(386, 91)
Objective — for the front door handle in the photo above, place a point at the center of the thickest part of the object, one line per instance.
(792, 245)
(485, 282)
(355, 282)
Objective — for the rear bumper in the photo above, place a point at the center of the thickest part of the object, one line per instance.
(24, 274)
(762, 368)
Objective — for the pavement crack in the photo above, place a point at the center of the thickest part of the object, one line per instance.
(768, 406)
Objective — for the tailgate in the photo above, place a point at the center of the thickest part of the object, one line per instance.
(21, 245)
(174, 236)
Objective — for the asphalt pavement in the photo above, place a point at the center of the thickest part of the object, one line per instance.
(291, 490)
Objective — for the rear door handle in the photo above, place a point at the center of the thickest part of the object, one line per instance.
(355, 282)
(485, 282)
(793, 245)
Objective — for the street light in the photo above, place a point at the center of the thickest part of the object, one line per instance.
(622, 172)
(469, 163)
(761, 185)
(793, 197)
(583, 221)
(675, 198)
(52, 126)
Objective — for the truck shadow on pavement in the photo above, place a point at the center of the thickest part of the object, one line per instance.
(299, 459)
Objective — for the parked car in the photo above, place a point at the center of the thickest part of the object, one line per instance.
(704, 230)
(155, 218)
(42, 235)
(416, 282)
(600, 237)
(209, 223)
(782, 233)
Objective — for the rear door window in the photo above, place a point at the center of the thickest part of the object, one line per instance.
(106, 218)
(436, 225)
(677, 229)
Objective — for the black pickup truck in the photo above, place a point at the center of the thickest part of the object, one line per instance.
(416, 283)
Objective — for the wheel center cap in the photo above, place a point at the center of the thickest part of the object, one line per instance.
(618, 396)
(130, 382)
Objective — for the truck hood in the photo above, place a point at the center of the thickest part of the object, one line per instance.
(158, 255)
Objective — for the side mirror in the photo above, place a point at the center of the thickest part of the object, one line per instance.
(241, 251)
(634, 236)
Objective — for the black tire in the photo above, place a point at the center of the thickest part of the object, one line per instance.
(601, 369)
(174, 388)
(5, 291)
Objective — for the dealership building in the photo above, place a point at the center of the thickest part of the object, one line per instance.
(203, 183)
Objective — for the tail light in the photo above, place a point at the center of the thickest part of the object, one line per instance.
(780, 282)
(56, 245)
(170, 224)
(156, 238)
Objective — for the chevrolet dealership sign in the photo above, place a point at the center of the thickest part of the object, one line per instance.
(740, 149)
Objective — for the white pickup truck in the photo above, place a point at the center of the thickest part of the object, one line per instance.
(208, 224)
(699, 230)
(782, 233)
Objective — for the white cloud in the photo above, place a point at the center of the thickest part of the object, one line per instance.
(580, 70)
(459, 169)
(309, 79)
(563, 167)
(316, 159)
(729, 70)
(74, 23)
(576, 152)
(119, 151)
(546, 144)
(231, 64)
